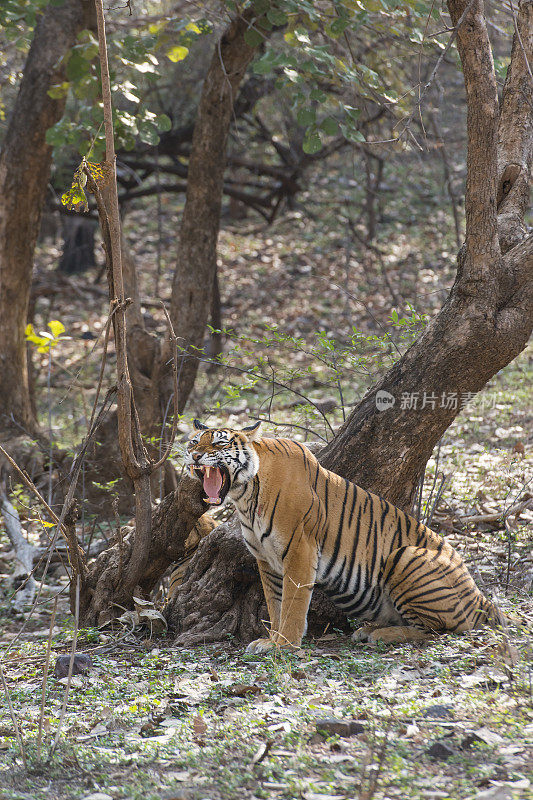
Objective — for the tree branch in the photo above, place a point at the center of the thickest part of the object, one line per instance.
(515, 133)
(24, 555)
(482, 248)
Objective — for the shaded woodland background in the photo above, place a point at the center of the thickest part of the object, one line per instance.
(291, 181)
(328, 200)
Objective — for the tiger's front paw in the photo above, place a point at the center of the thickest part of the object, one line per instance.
(261, 646)
(365, 633)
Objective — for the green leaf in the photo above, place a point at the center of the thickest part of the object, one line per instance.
(163, 123)
(263, 66)
(330, 126)
(319, 95)
(178, 53)
(351, 134)
(260, 6)
(312, 143)
(148, 132)
(253, 38)
(78, 67)
(277, 17)
(337, 27)
(353, 113)
(133, 98)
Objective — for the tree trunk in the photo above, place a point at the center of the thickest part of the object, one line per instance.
(487, 319)
(78, 245)
(485, 322)
(196, 264)
(148, 358)
(24, 173)
(172, 523)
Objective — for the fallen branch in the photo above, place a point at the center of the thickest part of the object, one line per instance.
(25, 553)
(497, 516)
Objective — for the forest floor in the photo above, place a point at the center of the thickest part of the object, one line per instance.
(447, 719)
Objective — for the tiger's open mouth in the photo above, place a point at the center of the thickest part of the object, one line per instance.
(215, 480)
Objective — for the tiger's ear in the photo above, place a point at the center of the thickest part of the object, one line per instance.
(252, 431)
(199, 426)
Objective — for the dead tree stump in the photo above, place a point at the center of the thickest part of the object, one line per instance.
(222, 595)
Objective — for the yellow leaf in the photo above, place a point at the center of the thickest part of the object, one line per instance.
(56, 327)
(96, 170)
(178, 53)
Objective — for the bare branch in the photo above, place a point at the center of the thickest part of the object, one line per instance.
(515, 134)
(482, 248)
(24, 554)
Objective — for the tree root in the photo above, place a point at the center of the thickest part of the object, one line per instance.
(103, 595)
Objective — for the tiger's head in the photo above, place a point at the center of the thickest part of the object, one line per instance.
(222, 458)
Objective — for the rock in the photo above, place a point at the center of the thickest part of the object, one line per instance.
(97, 796)
(440, 751)
(81, 666)
(496, 793)
(438, 712)
(356, 727)
(482, 736)
(488, 737)
(331, 726)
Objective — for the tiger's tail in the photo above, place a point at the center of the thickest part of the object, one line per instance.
(490, 614)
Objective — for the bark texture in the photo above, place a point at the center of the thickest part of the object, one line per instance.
(24, 173)
(515, 132)
(196, 264)
(485, 323)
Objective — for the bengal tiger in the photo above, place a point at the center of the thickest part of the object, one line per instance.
(308, 527)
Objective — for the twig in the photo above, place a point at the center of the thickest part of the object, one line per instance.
(174, 428)
(134, 455)
(497, 516)
(437, 459)
(289, 425)
(31, 486)
(45, 677)
(70, 670)
(13, 718)
(448, 178)
(517, 31)
(435, 69)
(429, 517)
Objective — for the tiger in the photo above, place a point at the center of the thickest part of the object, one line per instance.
(307, 527)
